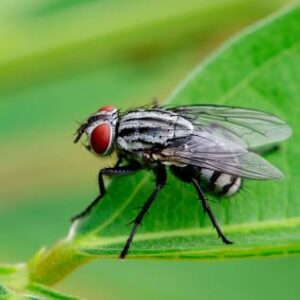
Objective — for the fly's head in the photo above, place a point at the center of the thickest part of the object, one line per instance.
(100, 129)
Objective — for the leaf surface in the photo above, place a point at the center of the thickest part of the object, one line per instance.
(259, 68)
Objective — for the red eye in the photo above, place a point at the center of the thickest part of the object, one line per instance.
(107, 108)
(101, 138)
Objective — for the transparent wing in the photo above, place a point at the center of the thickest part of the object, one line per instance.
(247, 127)
(204, 150)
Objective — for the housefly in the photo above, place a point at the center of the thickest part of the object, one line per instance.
(207, 146)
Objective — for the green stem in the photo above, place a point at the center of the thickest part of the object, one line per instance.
(52, 265)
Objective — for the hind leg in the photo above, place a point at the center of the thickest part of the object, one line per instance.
(190, 174)
(208, 210)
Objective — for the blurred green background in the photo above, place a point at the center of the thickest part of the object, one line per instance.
(59, 61)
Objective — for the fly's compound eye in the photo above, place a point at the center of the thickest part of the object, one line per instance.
(101, 138)
(107, 108)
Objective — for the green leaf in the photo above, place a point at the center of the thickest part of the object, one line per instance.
(259, 68)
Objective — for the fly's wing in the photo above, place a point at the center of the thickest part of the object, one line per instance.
(204, 149)
(249, 128)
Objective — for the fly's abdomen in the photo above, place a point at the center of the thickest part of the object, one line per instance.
(220, 183)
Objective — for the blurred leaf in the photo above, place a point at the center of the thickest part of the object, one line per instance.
(259, 67)
(42, 40)
(3, 291)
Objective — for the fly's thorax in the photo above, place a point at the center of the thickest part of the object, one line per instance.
(144, 129)
(220, 183)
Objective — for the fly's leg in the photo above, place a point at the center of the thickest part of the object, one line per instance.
(208, 210)
(105, 172)
(161, 177)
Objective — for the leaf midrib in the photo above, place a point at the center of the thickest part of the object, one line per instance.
(205, 231)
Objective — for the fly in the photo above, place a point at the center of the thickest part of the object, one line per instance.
(207, 146)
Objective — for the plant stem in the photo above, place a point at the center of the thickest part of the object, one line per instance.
(51, 265)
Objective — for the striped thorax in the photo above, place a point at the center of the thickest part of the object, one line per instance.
(145, 129)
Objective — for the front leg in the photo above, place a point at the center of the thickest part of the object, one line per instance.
(161, 177)
(124, 170)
